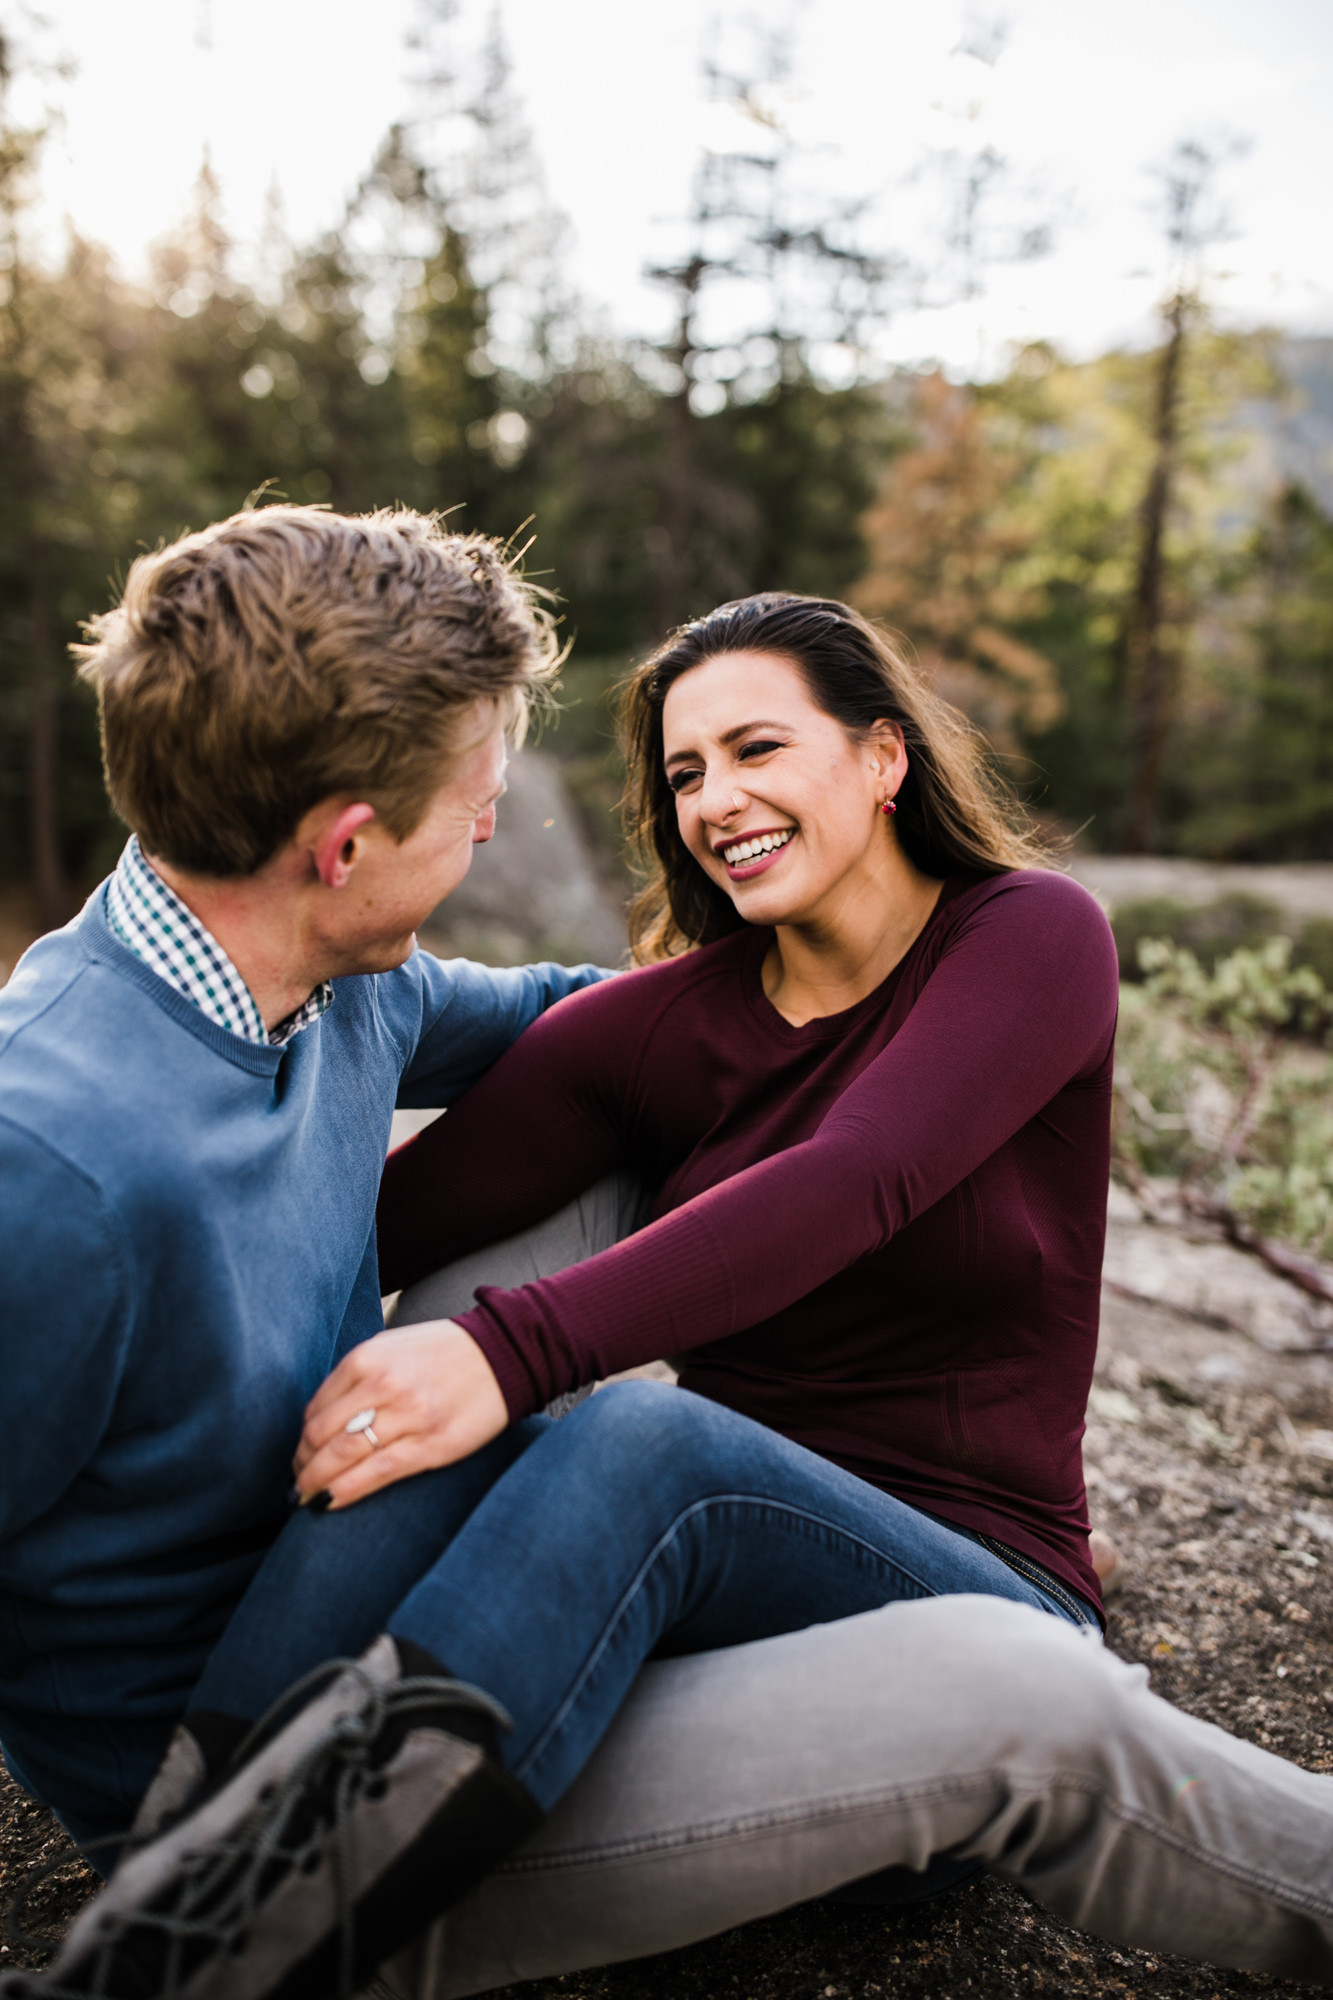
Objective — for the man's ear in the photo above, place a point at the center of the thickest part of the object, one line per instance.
(337, 849)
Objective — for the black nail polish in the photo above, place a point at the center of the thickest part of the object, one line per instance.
(293, 1495)
(319, 1503)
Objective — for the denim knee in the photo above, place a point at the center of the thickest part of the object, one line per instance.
(654, 1437)
(423, 1511)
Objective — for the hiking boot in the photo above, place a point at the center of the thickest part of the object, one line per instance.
(332, 1845)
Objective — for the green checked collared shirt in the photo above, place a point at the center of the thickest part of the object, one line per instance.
(151, 920)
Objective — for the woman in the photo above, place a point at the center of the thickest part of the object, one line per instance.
(873, 1112)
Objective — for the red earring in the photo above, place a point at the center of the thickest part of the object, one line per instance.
(889, 808)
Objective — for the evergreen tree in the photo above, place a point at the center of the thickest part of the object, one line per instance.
(62, 340)
(1261, 758)
(27, 636)
(755, 455)
(1150, 656)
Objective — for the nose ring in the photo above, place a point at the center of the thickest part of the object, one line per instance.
(737, 802)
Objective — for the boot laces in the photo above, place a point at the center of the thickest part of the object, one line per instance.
(212, 1906)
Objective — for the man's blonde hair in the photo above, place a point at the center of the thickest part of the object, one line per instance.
(289, 655)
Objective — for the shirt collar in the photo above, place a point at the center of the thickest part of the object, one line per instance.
(152, 921)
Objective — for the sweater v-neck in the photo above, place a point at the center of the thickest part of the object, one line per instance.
(101, 942)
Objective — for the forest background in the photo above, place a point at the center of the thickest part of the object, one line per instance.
(1121, 568)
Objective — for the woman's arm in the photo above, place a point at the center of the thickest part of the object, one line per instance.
(1022, 1002)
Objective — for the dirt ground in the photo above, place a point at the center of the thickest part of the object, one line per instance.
(1211, 1462)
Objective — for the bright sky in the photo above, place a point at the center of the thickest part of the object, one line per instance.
(1086, 96)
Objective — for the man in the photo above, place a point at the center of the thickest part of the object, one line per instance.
(304, 723)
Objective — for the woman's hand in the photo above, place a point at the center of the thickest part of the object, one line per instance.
(434, 1398)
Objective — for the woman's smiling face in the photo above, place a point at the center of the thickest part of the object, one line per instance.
(775, 800)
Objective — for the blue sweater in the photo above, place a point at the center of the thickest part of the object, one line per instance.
(186, 1249)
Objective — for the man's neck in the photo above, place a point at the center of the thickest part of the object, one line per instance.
(256, 920)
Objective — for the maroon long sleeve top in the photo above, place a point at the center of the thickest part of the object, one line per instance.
(879, 1233)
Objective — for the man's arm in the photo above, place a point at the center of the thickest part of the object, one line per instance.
(64, 1324)
(469, 1016)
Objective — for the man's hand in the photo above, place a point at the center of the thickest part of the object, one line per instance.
(435, 1400)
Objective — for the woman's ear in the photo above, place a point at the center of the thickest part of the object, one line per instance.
(889, 752)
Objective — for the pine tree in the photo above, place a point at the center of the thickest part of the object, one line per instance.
(755, 456)
(1151, 654)
(1261, 757)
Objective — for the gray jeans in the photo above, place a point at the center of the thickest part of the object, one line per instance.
(736, 1783)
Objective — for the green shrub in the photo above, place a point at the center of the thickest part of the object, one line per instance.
(1209, 930)
(1234, 922)
(1314, 947)
(1249, 995)
(1224, 1081)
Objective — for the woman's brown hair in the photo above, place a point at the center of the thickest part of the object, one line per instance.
(953, 813)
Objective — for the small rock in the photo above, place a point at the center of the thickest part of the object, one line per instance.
(1319, 1525)
(1215, 1283)
(1114, 1404)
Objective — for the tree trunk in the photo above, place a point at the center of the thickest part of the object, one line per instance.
(1151, 659)
(48, 878)
(676, 525)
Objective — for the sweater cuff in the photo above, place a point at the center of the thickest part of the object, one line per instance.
(521, 1392)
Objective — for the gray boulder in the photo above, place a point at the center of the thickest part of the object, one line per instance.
(535, 890)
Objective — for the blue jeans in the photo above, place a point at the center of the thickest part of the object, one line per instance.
(548, 1568)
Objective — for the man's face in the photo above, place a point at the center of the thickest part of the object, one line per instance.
(396, 884)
